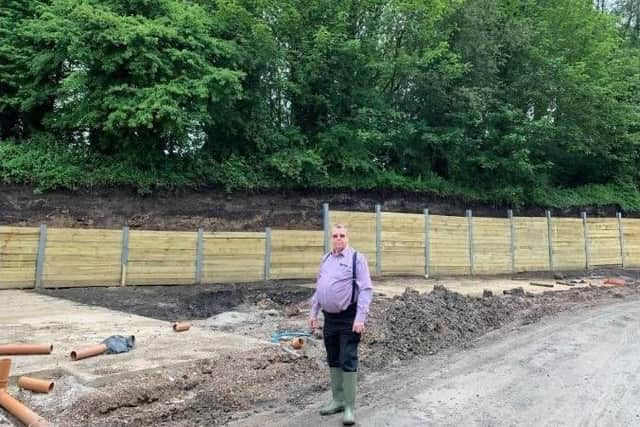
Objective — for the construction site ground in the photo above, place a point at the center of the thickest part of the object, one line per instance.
(226, 370)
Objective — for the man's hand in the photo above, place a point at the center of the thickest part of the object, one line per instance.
(313, 323)
(358, 327)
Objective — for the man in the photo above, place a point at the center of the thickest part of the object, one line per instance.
(344, 298)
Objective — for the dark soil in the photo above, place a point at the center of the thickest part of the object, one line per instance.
(216, 210)
(417, 324)
(172, 303)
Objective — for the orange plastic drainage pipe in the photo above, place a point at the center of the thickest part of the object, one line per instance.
(35, 384)
(21, 412)
(14, 349)
(92, 350)
(181, 326)
(5, 368)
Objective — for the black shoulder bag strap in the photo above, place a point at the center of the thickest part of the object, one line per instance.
(354, 285)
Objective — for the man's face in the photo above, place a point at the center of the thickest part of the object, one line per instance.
(339, 239)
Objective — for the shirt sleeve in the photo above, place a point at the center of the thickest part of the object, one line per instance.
(365, 288)
(315, 304)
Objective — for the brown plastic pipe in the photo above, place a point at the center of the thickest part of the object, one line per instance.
(5, 368)
(35, 384)
(181, 326)
(13, 349)
(297, 343)
(21, 412)
(92, 350)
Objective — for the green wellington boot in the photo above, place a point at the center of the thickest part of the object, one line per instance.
(349, 384)
(337, 395)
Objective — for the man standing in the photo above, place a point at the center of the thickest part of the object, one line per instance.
(343, 293)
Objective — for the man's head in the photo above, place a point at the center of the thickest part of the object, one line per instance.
(339, 237)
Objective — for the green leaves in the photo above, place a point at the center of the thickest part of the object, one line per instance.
(503, 99)
(134, 80)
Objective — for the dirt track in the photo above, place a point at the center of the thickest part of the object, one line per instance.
(574, 369)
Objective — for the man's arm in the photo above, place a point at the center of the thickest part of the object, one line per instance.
(365, 293)
(315, 305)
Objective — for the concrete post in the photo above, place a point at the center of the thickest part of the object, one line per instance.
(550, 241)
(199, 255)
(42, 244)
(470, 242)
(427, 254)
(378, 240)
(267, 253)
(124, 257)
(512, 245)
(585, 228)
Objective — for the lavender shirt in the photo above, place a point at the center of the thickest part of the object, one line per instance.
(333, 285)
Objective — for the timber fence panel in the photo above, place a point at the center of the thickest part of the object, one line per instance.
(233, 257)
(362, 232)
(18, 253)
(568, 244)
(449, 246)
(631, 227)
(402, 243)
(492, 245)
(161, 257)
(604, 242)
(532, 244)
(296, 254)
(80, 257)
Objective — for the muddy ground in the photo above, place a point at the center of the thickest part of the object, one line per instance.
(279, 378)
(216, 210)
(187, 302)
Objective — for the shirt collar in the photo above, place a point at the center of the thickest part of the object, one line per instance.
(346, 252)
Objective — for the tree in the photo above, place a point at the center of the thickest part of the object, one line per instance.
(629, 11)
(16, 121)
(137, 76)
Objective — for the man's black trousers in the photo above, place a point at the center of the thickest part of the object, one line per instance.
(340, 340)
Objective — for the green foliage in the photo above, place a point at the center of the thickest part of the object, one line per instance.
(135, 77)
(513, 101)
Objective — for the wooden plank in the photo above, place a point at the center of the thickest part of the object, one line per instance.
(16, 284)
(568, 238)
(234, 235)
(631, 228)
(604, 242)
(449, 249)
(532, 250)
(492, 241)
(79, 284)
(4, 229)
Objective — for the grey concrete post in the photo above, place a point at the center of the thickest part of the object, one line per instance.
(621, 236)
(470, 242)
(267, 253)
(326, 226)
(427, 254)
(42, 244)
(124, 256)
(585, 228)
(199, 255)
(512, 244)
(550, 241)
(378, 239)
